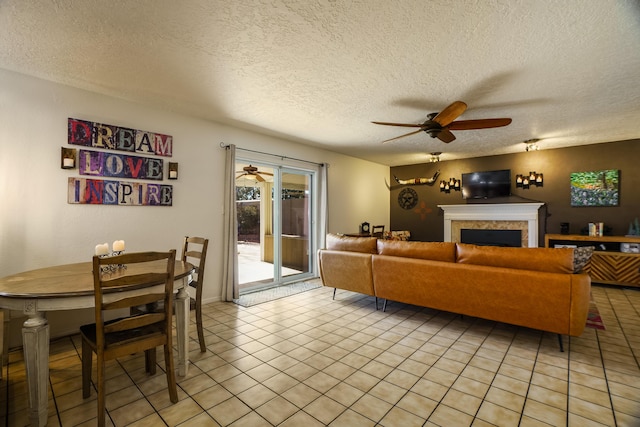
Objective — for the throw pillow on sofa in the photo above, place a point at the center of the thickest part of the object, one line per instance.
(403, 235)
(581, 256)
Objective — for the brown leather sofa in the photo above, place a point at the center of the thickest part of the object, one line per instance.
(530, 287)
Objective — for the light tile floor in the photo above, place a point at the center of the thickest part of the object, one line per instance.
(307, 360)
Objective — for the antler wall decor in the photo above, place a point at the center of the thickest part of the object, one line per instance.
(418, 181)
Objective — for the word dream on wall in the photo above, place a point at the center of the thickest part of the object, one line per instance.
(121, 193)
(109, 137)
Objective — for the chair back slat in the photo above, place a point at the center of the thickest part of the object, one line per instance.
(135, 322)
(132, 301)
(144, 280)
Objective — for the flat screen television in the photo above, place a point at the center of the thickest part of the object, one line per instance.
(486, 185)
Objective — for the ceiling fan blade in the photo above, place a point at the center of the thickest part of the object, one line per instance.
(398, 124)
(259, 178)
(265, 173)
(479, 124)
(450, 113)
(446, 136)
(402, 136)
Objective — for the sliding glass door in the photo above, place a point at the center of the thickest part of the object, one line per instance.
(275, 217)
(295, 222)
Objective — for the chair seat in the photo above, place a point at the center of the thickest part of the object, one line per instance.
(121, 337)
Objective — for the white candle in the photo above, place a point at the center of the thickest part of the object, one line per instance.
(102, 249)
(68, 163)
(118, 246)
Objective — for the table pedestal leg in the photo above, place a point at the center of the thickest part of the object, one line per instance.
(182, 330)
(35, 338)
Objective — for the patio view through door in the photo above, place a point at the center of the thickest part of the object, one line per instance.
(274, 206)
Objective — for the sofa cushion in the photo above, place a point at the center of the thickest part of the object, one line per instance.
(352, 244)
(552, 260)
(581, 257)
(435, 251)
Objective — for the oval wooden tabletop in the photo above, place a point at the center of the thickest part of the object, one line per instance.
(65, 280)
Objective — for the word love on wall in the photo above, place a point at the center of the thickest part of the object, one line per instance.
(121, 193)
(109, 137)
(102, 163)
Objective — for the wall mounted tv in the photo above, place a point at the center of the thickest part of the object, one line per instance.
(486, 185)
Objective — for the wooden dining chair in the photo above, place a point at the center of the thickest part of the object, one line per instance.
(194, 251)
(377, 231)
(134, 333)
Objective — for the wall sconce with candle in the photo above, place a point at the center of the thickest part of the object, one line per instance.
(452, 184)
(531, 179)
(173, 170)
(68, 158)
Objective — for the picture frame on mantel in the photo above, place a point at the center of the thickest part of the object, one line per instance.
(595, 188)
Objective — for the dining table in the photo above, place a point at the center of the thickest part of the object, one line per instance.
(71, 287)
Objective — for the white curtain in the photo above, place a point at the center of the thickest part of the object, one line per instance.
(230, 233)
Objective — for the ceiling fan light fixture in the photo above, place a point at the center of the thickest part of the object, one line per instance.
(433, 132)
(532, 144)
(435, 157)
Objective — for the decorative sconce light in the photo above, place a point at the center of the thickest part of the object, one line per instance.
(435, 157)
(452, 184)
(68, 158)
(173, 170)
(526, 181)
(532, 144)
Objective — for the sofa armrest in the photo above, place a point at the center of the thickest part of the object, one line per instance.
(350, 271)
(580, 299)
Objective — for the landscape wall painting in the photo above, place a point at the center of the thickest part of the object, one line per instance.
(595, 188)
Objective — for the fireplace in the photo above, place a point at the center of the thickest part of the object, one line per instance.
(483, 237)
(488, 216)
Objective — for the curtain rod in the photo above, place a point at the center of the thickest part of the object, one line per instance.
(223, 145)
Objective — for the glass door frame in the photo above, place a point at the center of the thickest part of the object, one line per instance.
(276, 199)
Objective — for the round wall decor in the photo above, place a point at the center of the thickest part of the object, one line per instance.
(408, 198)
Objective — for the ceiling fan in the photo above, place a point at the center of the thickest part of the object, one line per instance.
(252, 172)
(439, 125)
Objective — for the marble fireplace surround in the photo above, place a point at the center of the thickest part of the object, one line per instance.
(487, 216)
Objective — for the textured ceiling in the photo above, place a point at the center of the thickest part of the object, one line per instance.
(318, 72)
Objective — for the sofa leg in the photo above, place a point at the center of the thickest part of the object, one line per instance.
(384, 305)
(560, 342)
(376, 303)
(334, 293)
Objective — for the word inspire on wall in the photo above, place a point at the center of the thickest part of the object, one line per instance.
(118, 167)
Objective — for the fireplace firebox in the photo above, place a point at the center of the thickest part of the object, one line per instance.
(510, 238)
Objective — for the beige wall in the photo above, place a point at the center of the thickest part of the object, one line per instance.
(38, 228)
(556, 165)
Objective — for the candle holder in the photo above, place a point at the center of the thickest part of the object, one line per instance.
(104, 269)
(68, 158)
(118, 266)
(173, 170)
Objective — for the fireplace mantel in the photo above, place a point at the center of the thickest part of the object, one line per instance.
(494, 212)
